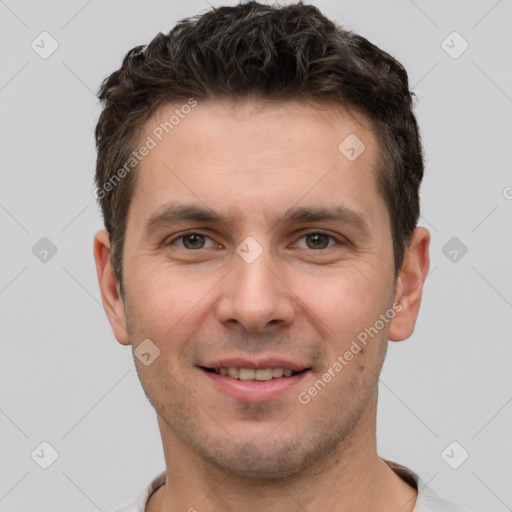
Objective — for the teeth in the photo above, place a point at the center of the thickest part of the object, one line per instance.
(233, 372)
(251, 374)
(263, 374)
(246, 374)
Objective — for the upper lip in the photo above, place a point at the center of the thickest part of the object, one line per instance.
(269, 362)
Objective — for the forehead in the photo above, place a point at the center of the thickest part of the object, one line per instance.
(273, 128)
(250, 158)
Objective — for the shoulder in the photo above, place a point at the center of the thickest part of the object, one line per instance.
(138, 504)
(427, 500)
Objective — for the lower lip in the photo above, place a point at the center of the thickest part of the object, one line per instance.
(254, 390)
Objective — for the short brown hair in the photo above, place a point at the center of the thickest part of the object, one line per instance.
(275, 53)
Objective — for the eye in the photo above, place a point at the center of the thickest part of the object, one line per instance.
(190, 240)
(319, 240)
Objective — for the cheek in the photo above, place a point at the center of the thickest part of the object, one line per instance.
(347, 300)
(160, 306)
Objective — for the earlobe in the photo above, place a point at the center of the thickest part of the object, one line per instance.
(109, 287)
(409, 286)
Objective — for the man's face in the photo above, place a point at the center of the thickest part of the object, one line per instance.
(264, 289)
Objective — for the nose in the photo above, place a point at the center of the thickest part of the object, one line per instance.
(255, 296)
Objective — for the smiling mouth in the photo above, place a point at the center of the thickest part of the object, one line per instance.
(250, 374)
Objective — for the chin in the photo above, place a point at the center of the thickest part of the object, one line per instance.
(263, 459)
(249, 464)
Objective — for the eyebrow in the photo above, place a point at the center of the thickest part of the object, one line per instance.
(172, 213)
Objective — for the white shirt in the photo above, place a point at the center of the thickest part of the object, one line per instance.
(427, 500)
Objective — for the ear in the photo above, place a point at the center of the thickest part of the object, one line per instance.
(409, 286)
(109, 286)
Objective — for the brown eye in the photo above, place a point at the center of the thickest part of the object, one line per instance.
(193, 241)
(318, 240)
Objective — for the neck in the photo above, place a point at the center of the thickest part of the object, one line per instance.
(351, 478)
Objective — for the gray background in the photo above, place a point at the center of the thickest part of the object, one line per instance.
(65, 380)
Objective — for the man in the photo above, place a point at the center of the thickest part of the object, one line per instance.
(258, 172)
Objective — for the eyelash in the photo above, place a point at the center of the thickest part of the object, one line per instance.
(191, 232)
